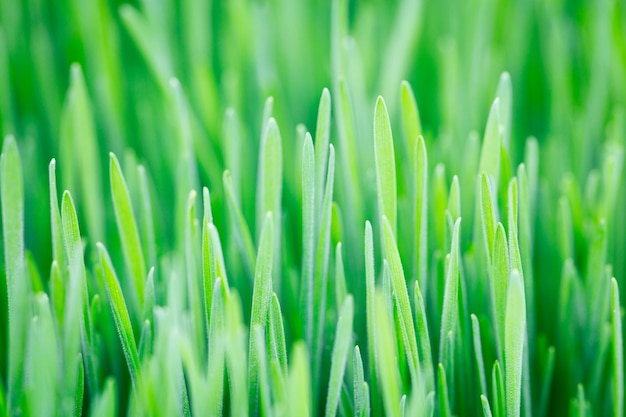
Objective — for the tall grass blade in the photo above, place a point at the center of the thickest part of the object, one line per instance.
(401, 298)
(515, 332)
(121, 317)
(12, 196)
(308, 235)
(341, 348)
(127, 229)
(385, 165)
(261, 298)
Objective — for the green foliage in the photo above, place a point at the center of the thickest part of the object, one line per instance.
(326, 270)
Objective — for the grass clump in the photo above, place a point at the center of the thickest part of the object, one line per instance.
(278, 208)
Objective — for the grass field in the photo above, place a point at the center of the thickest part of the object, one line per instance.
(292, 208)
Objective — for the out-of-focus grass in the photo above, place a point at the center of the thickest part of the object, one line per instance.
(329, 115)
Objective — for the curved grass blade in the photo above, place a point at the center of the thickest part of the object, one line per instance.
(12, 196)
(515, 331)
(127, 229)
(121, 317)
(618, 352)
(277, 346)
(341, 348)
(485, 405)
(385, 165)
(261, 298)
(401, 297)
(308, 235)
(499, 394)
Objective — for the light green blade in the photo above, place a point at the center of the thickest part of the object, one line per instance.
(341, 348)
(515, 331)
(127, 229)
(385, 165)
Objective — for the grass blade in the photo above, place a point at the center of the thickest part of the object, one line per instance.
(444, 400)
(358, 382)
(42, 360)
(78, 286)
(58, 251)
(420, 170)
(12, 196)
(515, 331)
(424, 339)
(278, 347)
(490, 151)
(370, 301)
(450, 311)
(341, 290)
(215, 373)
(261, 298)
(322, 138)
(321, 271)
(121, 317)
(401, 297)
(127, 229)
(387, 370)
(618, 351)
(269, 190)
(485, 405)
(478, 352)
(385, 165)
(308, 234)
(341, 348)
(499, 284)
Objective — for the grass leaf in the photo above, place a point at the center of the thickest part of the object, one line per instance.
(240, 227)
(127, 229)
(278, 348)
(299, 385)
(387, 370)
(515, 331)
(401, 297)
(308, 235)
(122, 319)
(12, 196)
(341, 348)
(450, 311)
(618, 351)
(261, 298)
(385, 165)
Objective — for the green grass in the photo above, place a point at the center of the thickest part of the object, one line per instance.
(304, 208)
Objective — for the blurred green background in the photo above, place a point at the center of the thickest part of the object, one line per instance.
(567, 61)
